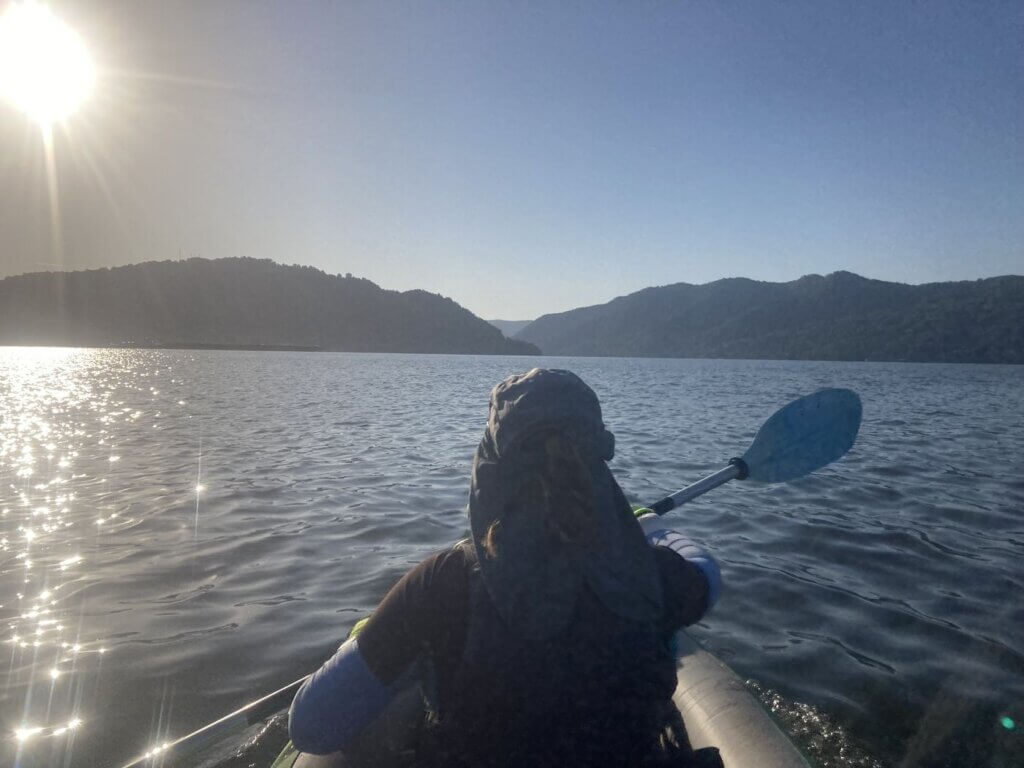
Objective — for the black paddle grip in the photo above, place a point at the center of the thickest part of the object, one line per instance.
(663, 506)
(741, 465)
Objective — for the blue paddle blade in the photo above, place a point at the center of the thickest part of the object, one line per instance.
(804, 436)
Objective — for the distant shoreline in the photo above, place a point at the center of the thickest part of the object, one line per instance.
(176, 345)
(287, 348)
(249, 348)
(226, 347)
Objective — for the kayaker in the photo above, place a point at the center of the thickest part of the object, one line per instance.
(545, 638)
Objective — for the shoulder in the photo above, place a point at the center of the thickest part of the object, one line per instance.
(418, 611)
(436, 582)
(441, 573)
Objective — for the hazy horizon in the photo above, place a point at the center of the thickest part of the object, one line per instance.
(526, 160)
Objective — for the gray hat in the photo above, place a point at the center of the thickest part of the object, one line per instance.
(535, 580)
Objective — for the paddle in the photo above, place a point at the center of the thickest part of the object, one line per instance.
(803, 436)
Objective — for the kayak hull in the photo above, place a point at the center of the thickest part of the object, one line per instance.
(719, 711)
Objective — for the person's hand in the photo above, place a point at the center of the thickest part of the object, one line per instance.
(659, 535)
(649, 520)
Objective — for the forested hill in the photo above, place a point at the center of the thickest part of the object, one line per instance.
(839, 317)
(236, 303)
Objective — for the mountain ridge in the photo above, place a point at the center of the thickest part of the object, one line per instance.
(237, 303)
(840, 316)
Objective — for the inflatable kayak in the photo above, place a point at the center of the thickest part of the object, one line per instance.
(716, 707)
(719, 711)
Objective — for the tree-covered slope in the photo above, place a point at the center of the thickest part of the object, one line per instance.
(838, 317)
(236, 302)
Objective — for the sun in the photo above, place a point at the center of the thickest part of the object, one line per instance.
(45, 70)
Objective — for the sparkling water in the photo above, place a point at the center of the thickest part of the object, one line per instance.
(183, 531)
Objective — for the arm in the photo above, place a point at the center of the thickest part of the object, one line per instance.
(699, 573)
(356, 685)
(334, 706)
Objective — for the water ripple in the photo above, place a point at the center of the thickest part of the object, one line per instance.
(182, 531)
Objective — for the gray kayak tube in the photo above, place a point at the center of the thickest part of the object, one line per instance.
(716, 707)
(719, 711)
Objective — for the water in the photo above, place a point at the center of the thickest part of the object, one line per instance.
(183, 531)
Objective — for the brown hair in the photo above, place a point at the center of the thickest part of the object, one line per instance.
(555, 476)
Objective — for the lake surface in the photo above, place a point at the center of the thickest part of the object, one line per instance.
(182, 531)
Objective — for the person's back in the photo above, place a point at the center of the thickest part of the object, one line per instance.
(547, 635)
(598, 693)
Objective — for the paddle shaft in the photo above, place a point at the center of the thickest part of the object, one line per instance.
(736, 469)
(250, 714)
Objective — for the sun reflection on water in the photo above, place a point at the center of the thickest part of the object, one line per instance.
(77, 446)
(55, 417)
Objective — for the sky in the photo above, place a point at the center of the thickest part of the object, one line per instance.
(532, 157)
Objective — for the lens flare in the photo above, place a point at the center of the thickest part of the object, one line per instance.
(24, 734)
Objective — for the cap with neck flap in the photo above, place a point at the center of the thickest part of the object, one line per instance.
(536, 579)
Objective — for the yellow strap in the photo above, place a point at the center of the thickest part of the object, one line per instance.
(287, 757)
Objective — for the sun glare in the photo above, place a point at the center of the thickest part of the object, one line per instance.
(45, 70)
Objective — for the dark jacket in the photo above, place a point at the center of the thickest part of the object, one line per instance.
(597, 694)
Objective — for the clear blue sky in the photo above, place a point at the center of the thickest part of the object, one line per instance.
(531, 157)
